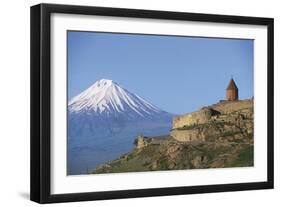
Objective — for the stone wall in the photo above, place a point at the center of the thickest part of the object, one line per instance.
(225, 119)
(187, 135)
(206, 113)
(227, 107)
(198, 117)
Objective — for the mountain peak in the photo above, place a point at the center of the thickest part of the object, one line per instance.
(107, 97)
(103, 82)
(107, 108)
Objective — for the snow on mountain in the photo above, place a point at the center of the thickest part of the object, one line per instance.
(107, 97)
(106, 104)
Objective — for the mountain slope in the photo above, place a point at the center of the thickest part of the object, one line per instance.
(107, 108)
(106, 97)
(179, 156)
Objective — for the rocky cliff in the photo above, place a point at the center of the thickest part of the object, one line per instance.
(216, 136)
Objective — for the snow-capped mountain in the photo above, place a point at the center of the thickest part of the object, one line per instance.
(106, 107)
(106, 97)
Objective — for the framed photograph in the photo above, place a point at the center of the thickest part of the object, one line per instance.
(133, 103)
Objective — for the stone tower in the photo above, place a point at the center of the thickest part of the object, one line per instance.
(231, 91)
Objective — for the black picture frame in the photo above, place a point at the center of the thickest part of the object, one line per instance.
(41, 98)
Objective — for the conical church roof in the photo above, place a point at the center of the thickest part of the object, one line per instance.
(231, 85)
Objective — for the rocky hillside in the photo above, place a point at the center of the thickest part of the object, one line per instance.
(223, 139)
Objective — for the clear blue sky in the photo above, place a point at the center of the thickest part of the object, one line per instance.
(177, 74)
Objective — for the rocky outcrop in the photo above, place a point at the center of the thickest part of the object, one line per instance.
(217, 136)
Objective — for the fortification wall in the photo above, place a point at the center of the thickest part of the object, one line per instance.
(205, 114)
(231, 106)
(198, 117)
(140, 142)
(186, 135)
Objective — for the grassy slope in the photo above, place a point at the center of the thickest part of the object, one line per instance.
(182, 156)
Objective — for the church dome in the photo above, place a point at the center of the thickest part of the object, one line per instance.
(232, 85)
